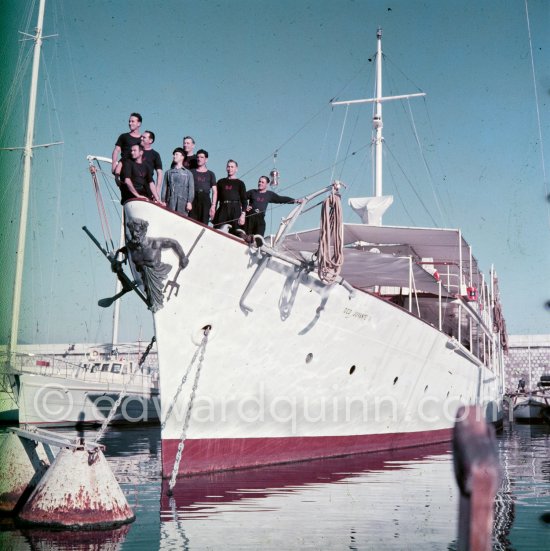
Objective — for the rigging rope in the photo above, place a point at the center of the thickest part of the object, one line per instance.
(123, 392)
(545, 180)
(331, 239)
(107, 236)
(426, 166)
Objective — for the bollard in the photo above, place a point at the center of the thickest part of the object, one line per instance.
(477, 472)
(79, 491)
(23, 464)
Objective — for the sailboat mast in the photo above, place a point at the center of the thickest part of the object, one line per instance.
(377, 119)
(118, 288)
(27, 153)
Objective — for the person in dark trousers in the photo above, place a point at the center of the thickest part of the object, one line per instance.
(124, 144)
(137, 178)
(258, 199)
(152, 157)
(230, 212)
(205, 183)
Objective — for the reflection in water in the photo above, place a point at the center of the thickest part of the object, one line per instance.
(104, 540)
(524, 452)
(404, 500)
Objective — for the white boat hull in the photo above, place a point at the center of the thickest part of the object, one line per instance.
(295, 369)
(48, 400)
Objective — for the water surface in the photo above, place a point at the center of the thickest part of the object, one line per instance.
(404, 500)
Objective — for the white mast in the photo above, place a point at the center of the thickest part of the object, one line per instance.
(118, 285)
(371, 209)
(377, 119)
(118, 288)
(26, 182)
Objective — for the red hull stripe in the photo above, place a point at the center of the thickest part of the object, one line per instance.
(202, 456)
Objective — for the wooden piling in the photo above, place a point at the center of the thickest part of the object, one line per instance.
(478, 475)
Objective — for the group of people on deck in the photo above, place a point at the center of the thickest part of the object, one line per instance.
(188, 186)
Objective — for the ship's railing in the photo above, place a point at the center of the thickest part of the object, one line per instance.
(101, 371)
(288, 221)
(467, 320)
(53, 365)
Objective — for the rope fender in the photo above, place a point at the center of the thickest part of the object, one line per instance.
(331, 239)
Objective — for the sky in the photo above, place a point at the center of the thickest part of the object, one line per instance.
(252, 80)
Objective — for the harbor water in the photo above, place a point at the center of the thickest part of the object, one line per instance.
(403, 500)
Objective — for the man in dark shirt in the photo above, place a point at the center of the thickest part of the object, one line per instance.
(190, 160)
(124, 143)
(230, 213)
(205, 182)
(151, 157)
(137, 178)
(258, 199)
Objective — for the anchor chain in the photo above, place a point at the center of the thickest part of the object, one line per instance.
(183, 380)
(123, 392)
(183, 435)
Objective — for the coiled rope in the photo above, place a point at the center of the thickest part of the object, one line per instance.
(331, 239)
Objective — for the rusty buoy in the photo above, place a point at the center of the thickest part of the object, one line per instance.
(79, 491)
(23, 464)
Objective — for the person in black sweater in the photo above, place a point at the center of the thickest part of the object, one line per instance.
(231, 198)
(152, 157)
(205, 184)
(124, 143)
(137, 178)
(258, 199)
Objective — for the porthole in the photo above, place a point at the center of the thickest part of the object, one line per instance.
(545, 517)
(395, 380)
(309, 357)
(351, 370)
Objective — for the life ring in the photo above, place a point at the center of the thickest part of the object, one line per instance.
(92, 356)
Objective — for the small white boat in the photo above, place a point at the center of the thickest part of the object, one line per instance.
(533, 406)
(64, 394)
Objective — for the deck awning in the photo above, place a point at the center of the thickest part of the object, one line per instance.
(379, 255)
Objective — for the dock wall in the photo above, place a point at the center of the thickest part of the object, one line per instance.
(528, 359)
